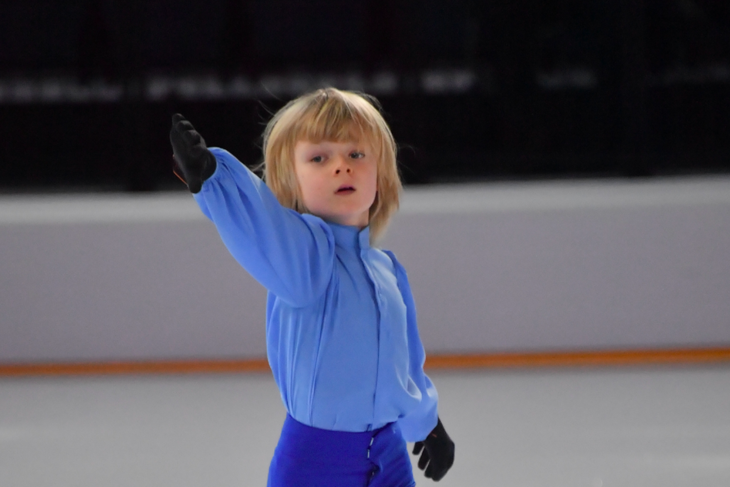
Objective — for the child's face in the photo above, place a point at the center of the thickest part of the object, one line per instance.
(327, 169)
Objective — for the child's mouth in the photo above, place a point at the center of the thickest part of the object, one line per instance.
(345, 190)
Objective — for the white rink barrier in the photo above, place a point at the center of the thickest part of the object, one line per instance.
(495, 267)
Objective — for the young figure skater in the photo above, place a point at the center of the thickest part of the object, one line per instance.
(341, 333)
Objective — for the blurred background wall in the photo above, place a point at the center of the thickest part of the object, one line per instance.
(625, 90)
(487, 89)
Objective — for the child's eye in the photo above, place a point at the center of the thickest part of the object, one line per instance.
(357, 155)
(316, 159)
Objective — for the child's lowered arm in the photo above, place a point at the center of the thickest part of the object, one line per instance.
(193, 158)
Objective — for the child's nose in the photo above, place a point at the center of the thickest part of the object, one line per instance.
(342, 165)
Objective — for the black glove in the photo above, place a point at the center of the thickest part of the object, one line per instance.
(438, 457)
(193, 158)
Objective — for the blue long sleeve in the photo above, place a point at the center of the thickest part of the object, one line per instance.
(421, 420)
(341, 331)
(288, 253)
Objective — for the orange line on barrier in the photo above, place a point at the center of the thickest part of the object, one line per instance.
(159, 367)
(582, 358)
(463, 361)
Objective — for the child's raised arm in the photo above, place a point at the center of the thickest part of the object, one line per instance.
(290, 254)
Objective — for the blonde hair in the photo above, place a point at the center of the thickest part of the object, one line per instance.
(333, 115)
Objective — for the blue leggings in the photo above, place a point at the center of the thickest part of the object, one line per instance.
(307, 456)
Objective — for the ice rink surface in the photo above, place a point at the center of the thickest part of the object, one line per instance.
(663, 426)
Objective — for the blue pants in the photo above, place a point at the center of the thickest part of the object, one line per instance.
(307, 456)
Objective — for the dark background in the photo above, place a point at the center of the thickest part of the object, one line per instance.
(507, 89)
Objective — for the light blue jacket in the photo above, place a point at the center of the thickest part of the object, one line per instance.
(341, 332)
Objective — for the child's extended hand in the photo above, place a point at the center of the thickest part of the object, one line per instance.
(193, 158)
(438, 456)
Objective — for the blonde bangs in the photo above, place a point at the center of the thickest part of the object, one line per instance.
(339, 116)
(343, 117)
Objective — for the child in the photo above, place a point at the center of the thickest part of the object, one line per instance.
(341, 330)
